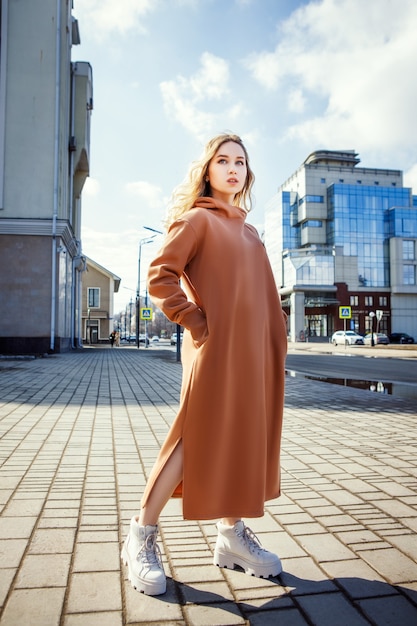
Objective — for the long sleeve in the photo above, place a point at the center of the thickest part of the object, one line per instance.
(164, 275)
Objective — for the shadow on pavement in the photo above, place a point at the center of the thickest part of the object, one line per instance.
(342, 601)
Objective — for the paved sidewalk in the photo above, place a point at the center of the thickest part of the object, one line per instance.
(79, 434)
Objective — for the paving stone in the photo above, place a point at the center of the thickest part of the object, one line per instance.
(325, 547)
(76, 454)
(226, 614)
(34, 607)
(395, 566)
(289, 617)
(390, 611)
(16, 528)
(94, 591)
(52, 541)
(113, 618)
(96, 557)
(11, 552)
(6, 579)
(334, 608)
(44, 570)
(158, 609)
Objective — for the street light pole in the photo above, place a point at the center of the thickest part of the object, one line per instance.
(178, 342)
(372, 316)
(142, 242)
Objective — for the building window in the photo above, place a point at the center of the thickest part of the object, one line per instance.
(383, 301)
(408, 250)
(322, 180)
(93, 297)
(409, 275)
(312, 224)
(354, 300)
(312, 198)
(369, 301)
(407, 226)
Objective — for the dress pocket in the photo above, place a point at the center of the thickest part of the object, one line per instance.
(199, 336)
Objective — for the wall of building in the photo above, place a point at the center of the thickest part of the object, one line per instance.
(40, 208)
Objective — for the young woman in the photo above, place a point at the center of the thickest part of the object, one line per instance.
(221, 454)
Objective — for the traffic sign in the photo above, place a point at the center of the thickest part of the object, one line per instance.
(145, 313)
(345, 312)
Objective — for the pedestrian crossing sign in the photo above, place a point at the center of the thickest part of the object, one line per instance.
(145, 313)
(345, 312)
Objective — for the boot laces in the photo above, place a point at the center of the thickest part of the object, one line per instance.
(250, 540)
(150, 552)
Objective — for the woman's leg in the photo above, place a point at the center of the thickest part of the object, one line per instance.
(167, 481)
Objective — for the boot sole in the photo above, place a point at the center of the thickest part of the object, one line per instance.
(143, 586)
(228, 560)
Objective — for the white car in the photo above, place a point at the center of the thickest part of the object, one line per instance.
(347, 338)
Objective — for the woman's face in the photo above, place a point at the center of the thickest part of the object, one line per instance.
(227, 171)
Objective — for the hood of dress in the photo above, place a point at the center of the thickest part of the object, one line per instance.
(206, 202)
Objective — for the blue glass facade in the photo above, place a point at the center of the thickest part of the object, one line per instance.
(401, 222)
(290, 229)
(361, 219)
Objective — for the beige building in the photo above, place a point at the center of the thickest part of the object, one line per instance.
(98, 287)
(45, 109)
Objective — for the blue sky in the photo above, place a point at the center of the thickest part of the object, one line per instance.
(288, 76)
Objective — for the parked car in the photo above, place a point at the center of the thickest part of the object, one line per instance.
(346, 338)
(155, 339)
(401, 338)
(174, 339)
(378, 338)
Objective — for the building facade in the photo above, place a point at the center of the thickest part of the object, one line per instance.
(98, 288)
(339, 235)
(45, 109)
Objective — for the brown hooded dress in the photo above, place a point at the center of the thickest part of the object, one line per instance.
(233, 357)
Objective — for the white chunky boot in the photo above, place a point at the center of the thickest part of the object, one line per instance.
(238, 545)
(142, 556)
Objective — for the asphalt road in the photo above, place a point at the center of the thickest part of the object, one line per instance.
(354, 367)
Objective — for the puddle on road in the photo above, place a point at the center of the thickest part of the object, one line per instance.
(401, 390)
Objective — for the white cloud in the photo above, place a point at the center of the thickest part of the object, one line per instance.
(151, 194)
(351, 65)
(189, 100)
(296, 101)
(212, 79)
(115, 16)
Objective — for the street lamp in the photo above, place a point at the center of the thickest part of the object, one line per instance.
(178, 356)
(372, 316)
(142, 242)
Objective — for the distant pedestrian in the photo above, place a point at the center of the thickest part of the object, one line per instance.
(222, 453)
(112, 338)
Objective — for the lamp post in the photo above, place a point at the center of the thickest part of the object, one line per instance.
(142, 242)
(88, 327)
(372, 316)
(178, 342)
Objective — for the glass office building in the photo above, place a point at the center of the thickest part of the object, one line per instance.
(340, 235)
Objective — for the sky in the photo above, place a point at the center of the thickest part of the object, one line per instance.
(288, 76)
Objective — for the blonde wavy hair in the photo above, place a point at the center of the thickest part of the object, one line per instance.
(195, 185)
